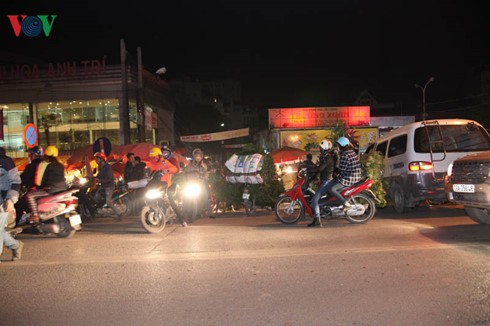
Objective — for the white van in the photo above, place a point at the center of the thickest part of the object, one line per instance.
(417, 155)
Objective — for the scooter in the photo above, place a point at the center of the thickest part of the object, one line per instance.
(292, 205)
(57, 215)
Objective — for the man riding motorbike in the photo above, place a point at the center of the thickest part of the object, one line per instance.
(325, 167)
(35, 157)
(158, 161)
(349, 171)
(197, 165)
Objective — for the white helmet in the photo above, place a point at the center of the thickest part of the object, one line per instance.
(326, 145)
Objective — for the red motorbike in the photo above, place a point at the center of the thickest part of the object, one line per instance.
(292, 205)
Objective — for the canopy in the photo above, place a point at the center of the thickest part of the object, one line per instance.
(79, 154)
(287, 154)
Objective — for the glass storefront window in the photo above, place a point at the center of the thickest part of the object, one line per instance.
(74, 124)
(15, 117)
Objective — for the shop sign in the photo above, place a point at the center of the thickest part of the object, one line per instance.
(215, 136)
(318, 117)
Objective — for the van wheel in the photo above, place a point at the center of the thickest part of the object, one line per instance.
(398, 198)
(478, 215)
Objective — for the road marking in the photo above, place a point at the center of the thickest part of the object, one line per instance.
(236, 254)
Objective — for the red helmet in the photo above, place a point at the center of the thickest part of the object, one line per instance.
(101, 156)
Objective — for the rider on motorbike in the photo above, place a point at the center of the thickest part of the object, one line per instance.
(158, 161)
(35, 157)
(49, 179)
(106, 179)
(326, 168)
(349, 171)
(197, 165)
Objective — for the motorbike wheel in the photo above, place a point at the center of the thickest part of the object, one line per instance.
(369, 206)
(152, 219)
(190, 210)
(289, 211)
(185, 211)
(85, 213)
(66, 231)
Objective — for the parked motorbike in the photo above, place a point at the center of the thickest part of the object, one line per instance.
(188, 197)
(292, 205)
(91, 205)
(57, 215)
(157, 211)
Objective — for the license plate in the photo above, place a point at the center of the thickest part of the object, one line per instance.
(75, 220)
(464, 188)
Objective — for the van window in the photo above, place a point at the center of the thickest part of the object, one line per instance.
(382, 148)
(456, 138)
(370, 148)
(398, 146)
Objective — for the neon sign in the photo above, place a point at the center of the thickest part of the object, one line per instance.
(318, 117)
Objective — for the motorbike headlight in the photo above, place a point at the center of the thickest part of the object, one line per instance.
(82, 181)
(192, 190)
(153, 194)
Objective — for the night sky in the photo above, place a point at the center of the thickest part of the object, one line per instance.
(285, 53)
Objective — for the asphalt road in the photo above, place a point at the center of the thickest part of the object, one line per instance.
(428, 267)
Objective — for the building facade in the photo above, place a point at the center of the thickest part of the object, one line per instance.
(74, 103)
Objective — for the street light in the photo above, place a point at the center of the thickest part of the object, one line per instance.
(431, 79)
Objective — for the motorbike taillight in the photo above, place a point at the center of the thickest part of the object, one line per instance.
(71, 202)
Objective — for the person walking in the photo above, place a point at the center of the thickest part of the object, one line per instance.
(325, 167)
(107, 185)
(9, 194)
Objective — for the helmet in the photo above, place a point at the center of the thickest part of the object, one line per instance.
(154, 152)
(36, 150)
(326, 145)
(101, 156)
(343, 141)
(51, 151)
(197, 151)
(166, 153)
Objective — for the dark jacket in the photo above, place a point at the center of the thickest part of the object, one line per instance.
(29, 173)
(326, 166)
(139, 171)
(106, 175)
(54, 178)
(129, 172)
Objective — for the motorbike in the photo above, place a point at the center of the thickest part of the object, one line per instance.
(295, 203)
(91, 205)
(57, 215)
(157, 211)
(188, 196)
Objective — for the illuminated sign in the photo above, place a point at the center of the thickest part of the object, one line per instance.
(318, 117)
